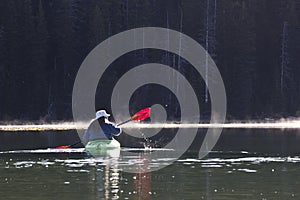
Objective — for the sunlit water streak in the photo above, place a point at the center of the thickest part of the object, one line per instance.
(295, 124)
(252, 160)
(78, 150)
(233, 164)
(240, 175)
(241, 158)
(49, 150)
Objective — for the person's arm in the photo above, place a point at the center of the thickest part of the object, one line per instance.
(114, 129)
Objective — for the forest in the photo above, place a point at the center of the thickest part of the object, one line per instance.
(254, 43)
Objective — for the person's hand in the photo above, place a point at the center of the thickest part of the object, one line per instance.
(107, 121)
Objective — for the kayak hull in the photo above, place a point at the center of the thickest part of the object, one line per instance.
(109, 148)
(103, 145)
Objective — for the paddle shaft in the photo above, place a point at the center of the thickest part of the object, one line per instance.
(124, 122)
(74, 144)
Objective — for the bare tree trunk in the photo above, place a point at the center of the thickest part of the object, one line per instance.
(284, 56)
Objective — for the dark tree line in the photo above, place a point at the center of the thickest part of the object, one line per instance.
(255, 44)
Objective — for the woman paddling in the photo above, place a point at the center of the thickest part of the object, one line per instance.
(100, 132)
(100, 129)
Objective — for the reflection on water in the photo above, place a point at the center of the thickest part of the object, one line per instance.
(77, 175)
(106, 181)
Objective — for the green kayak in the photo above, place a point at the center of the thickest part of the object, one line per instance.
(102, 145)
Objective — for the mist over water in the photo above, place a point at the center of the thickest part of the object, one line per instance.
(280, 124)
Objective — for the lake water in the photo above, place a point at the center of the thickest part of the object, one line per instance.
(73, 174)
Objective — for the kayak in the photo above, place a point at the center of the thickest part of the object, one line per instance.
(104, 147)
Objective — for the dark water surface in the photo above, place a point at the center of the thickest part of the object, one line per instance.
(65, 175)
(223, 174)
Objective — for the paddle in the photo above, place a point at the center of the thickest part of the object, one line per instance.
(139, 116)
(68, 146)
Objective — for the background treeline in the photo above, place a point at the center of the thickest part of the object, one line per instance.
(255, 44)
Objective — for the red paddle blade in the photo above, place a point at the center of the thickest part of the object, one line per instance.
(142, 114)
(62, 147)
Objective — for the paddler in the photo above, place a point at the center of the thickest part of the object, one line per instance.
(101, 128)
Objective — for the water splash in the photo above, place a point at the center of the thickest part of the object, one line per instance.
(147, 143)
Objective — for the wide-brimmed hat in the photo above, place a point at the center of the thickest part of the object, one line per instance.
(101, 113)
